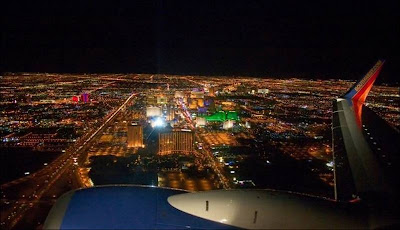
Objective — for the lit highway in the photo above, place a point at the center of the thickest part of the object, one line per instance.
(206, 151)
(21, 195)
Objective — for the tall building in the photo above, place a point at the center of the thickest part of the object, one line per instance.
(151, 100)
(193, 104)
(200, 121)
(228, 124)
(177, 141)
(179, 94)
(211, 92)
(85, 97)
(135, 136)
(170, 114)
(152, 111)
(162, 100)
(197, 94)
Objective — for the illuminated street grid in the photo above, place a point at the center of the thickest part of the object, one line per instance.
(181, 180)
(220, 138)
(280, 134)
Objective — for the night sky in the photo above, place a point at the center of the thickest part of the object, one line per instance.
(324, 39)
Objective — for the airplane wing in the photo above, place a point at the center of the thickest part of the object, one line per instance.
(359, 169)
(122, 207)
(366, 158)
(141, 207)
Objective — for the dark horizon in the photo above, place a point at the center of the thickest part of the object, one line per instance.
(319, 40)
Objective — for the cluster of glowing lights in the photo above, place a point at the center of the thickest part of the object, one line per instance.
(158, 122)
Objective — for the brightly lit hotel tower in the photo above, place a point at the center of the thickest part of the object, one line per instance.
(176, 142)
(135, 135)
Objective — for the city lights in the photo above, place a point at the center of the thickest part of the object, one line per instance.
(158, 122)
(182, 138)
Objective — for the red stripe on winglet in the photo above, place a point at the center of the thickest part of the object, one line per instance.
(359, 98)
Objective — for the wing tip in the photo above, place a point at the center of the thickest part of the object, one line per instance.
(359, 88)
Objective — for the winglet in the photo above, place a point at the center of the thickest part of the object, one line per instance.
(357, 94)
(360, 90)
